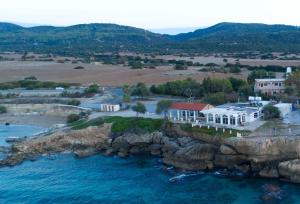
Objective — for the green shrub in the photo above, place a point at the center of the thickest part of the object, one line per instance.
(3, 110)
(120, 124)
(73, 102)
(271, 112)
(72, 118)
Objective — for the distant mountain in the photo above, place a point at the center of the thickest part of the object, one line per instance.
(87, 38)
(81, 38)
(236, 37)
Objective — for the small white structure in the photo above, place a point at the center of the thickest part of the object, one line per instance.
(284, 108)
(59, 89)
(110, 107)
(288, 71)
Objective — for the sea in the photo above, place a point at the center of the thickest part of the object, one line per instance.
(64, 179)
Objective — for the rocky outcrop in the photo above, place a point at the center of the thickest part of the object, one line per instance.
(82, 142)
(290, 170)
(266, 149)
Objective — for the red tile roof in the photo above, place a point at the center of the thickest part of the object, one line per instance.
(189, 106)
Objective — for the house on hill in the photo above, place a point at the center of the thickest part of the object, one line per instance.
(188, 112)
(271, 87)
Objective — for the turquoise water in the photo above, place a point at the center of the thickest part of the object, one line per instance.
(99, 179)
(140, 179)
(17, 131)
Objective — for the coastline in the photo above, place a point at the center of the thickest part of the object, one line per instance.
(274, 158)
(34, 120)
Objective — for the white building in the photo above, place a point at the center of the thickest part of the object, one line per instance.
(110, 107)
(235, 114)
(188, 112)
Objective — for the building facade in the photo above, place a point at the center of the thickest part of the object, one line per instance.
(269, 86)
(234, 114)
(110, 107)
(188, 112)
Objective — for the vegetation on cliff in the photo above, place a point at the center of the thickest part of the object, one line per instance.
(120, 124)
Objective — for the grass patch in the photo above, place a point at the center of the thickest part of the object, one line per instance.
(212, 131)
(120, 124)
(82, 124)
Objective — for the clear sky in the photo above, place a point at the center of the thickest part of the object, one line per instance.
(151, 14)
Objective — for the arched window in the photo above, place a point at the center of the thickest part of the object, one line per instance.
(210, 118)
(225, 119)
(218, 119)
(232, 120)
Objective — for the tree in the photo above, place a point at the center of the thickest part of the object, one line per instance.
(163, 106)
(3, 110)
(73, 102)
(73, 118)
(93, 88)
(294, 81)
(235, 69)
(140, 90)
(126, 95)
(271, 112)
(139, 108)
(260, 74)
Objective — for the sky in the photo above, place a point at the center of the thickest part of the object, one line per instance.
(150, 14)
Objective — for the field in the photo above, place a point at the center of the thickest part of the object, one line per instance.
(108, 75)
(117, 75)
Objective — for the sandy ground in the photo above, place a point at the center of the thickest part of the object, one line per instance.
(42, 121)
(107, 75)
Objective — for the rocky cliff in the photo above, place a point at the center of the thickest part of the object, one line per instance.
(265, 157)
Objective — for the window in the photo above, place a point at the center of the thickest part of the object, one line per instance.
(191, 113)
(210, 118)
(244, 118)
(225, 119)
(276, 84)
(218, 119)
(280, 84)
(200, 115)
(265, 84)
(255, 115)
(232, 120)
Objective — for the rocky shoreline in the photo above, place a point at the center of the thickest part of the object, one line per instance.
(275, 157)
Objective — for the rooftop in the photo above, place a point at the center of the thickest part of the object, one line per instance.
(189, 106)
(270, 80)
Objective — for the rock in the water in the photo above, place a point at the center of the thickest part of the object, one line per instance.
(290, 170)
(81, 153)
(269, 172)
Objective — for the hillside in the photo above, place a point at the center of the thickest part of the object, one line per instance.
(86, 38)
(236, 37)
(78, 38)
